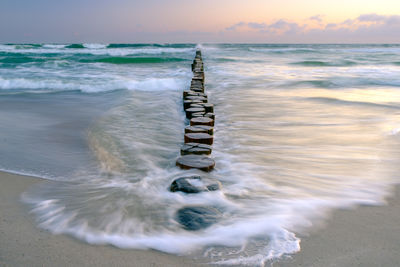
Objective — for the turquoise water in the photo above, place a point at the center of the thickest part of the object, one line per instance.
(300, 130)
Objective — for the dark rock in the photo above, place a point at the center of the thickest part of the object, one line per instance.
(183, 184)
(196, 162)
(195, 148)
(202, 121)
(197, 217)
(201, 138)
(194, 184)
(199, 129)
(214, 187)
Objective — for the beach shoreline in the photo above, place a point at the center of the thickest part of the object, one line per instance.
(365, 236)
(22, 243)
(360, 236)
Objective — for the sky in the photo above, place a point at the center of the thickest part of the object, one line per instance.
(200, 21)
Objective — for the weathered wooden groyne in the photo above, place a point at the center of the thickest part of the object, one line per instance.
(196, 151)
(199, 134)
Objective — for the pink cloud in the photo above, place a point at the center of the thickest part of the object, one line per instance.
(364, 28)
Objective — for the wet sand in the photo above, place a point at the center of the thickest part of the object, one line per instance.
(22, 243)
(366, 236)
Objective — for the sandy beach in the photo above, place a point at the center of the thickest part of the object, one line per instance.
(366, 236)
(23, 244)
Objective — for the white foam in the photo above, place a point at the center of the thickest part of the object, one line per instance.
(54, 46)
(395, 131)
(46, 85)
(95, 49)
(95, 46)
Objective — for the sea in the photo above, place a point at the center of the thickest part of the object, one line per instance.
(300, 130)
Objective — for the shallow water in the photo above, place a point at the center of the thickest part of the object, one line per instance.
(300, 130)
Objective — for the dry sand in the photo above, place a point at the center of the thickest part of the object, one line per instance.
(367, 236)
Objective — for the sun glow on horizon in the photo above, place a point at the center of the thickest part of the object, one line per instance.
(188, 21)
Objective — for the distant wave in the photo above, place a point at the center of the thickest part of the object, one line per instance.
(282, 50)
(341, 82)
(95, 46)
(19, 59)
(22, 46)
(224, 59)
(337, 101)
(94, 49)
(126, 45)
(317, 63)
(150, 45)
(314, 83)
(75, 46)
(134, 60)
(21, 85)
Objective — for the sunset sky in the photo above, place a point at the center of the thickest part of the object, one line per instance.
(266, 21)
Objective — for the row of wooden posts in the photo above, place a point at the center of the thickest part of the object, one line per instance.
(195, 153)
(199, 134)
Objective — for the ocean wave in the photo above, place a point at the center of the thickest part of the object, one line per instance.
(318, 63)
(19, 46)
(20, 59)
(337, 101)
(133, 60)
(55, 85)
(342, 82)
(150, 45)
(128, 45)
(283, 50)
(97, 49)
(57, 46)
(95, 46)
(75, 46)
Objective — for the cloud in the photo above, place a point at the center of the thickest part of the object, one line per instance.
(370, 28)
(235, 26)
(348, 22)
(371, 18)
(255, 25)
(317, 18)
(278, 27)
(330, 25)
